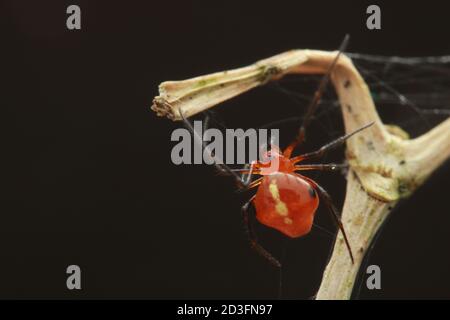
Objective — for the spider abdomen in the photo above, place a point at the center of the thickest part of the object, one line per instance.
(286, 202)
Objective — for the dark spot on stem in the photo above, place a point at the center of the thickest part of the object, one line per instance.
(402, 162)
(347, 84)
(349, 108)
(402, 187)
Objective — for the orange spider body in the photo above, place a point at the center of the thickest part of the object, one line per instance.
(285, 200)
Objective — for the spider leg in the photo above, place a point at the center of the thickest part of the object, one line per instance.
(247, 171)
(334, 212)
(247, 176)
(243, 183)
(252, 236)
(255, 183)
(315, 100)
(223, 168)
(322, 167)
(329, 146)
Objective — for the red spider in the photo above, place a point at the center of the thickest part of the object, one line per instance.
(286, 200)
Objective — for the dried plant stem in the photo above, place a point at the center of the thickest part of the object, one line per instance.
(385, 164)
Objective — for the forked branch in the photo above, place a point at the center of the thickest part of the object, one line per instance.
(385, 164)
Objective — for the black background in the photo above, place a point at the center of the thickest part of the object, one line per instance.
(88, 178)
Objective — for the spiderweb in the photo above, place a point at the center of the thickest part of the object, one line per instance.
(413, 93)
